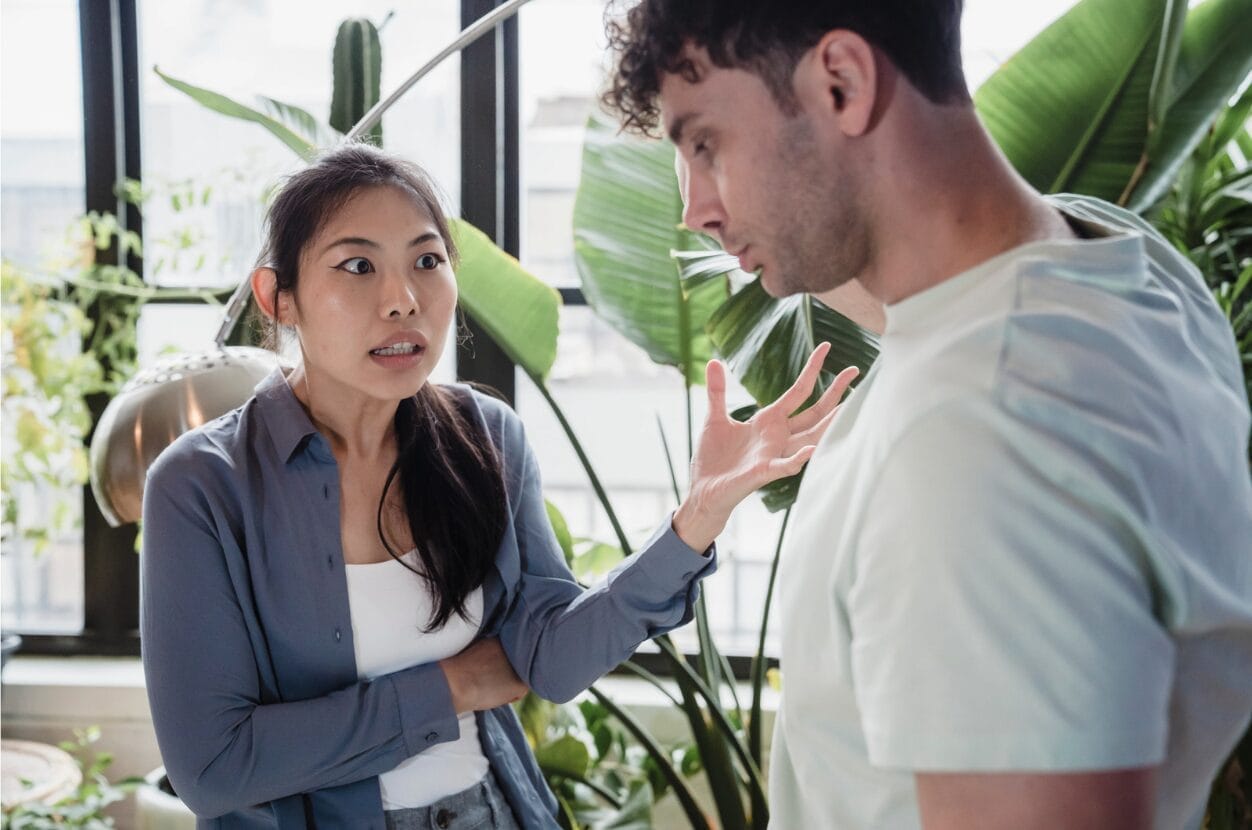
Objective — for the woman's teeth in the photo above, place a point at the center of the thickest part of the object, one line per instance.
(397, 348)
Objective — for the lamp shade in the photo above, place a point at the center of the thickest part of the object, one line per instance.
(155, 407)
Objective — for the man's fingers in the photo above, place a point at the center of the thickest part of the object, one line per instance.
(827, 404)
(799, 392)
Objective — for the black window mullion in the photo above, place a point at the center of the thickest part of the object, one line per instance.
(489, 171)
(111, 113)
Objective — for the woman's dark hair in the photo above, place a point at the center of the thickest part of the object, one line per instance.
(449, 472)
(921, 37)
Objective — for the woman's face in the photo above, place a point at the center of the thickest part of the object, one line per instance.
(374, 299)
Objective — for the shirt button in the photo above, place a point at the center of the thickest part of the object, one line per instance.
(431, 737)
(330, 562)
(326, 491)
(443, 818)
(338, 635)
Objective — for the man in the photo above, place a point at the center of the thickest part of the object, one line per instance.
(1018, 588)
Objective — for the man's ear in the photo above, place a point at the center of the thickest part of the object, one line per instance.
(844, 71)
(264, 291)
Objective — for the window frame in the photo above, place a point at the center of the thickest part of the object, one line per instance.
(490, 197)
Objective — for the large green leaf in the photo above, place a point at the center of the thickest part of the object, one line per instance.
(301, 122)
(566, 756)
(1214, 58)
(627, 219)
(1070, 110)
(304, 146)
(766, 341)
(515, 307)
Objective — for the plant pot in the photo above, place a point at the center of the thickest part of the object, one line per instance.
(158, 808)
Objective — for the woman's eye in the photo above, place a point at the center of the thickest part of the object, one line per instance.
(429, 262)
(356, 265)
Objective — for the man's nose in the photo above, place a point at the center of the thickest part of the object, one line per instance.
(702, 207)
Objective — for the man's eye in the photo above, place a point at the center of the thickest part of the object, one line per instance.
(429, 262)
(356, 265)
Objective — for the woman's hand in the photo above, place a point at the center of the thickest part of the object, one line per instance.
(735, 459)
(481, 677)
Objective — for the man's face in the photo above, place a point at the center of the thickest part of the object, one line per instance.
(769, 185)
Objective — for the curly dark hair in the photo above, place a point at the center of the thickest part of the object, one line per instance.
(922, 38)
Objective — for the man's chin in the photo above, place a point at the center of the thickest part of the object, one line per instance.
(777, 286)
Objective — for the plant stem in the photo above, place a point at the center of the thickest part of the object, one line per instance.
(599, 789)
(664, 764)
(758, 660)
(586, 462)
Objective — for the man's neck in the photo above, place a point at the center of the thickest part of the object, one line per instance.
(955, 203)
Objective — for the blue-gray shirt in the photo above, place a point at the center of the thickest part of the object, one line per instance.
(247, 639)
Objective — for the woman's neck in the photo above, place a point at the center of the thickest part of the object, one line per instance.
(356, 427)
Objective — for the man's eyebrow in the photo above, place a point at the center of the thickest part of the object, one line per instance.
(369, 243)
(676, 127)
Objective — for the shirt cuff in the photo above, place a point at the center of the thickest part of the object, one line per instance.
(427, 716)
(671, 564)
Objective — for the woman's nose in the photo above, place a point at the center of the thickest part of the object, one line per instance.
(400, 296)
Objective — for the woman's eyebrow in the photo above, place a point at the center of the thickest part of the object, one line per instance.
(431, 236)
(369, 243)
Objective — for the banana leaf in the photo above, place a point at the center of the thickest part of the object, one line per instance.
(512, 305)
(766, 340)
(302, 122)
(1078, 108)
(627, 219)
(1214, 58)
(1070, 110)
(288, 132)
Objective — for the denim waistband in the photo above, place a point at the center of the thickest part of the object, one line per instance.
(480, 806)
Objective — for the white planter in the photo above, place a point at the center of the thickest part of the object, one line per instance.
(156, 809)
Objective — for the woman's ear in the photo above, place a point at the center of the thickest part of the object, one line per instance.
(265, 292)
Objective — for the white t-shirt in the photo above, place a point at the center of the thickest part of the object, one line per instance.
(390, 607)
(1026, 541)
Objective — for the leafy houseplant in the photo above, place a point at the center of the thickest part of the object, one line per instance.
(86, 805)
(55, 357)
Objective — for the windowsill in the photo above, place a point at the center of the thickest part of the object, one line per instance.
(48, 687)
(43, 686)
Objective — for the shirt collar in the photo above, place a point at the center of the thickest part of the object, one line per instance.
(1103, 247)
(285, 419)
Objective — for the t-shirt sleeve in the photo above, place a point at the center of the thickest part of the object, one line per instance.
(1002, 611)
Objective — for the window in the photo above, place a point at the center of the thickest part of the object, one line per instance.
(41, 174)
(551, 71)
(209, 175)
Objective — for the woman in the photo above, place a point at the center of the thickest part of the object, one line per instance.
(348, 579)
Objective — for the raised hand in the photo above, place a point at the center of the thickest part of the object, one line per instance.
(735, 459)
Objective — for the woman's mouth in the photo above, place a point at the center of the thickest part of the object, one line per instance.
(396, 349)
(397, 355)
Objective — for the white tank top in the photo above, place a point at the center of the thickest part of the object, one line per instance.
(390, 605)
